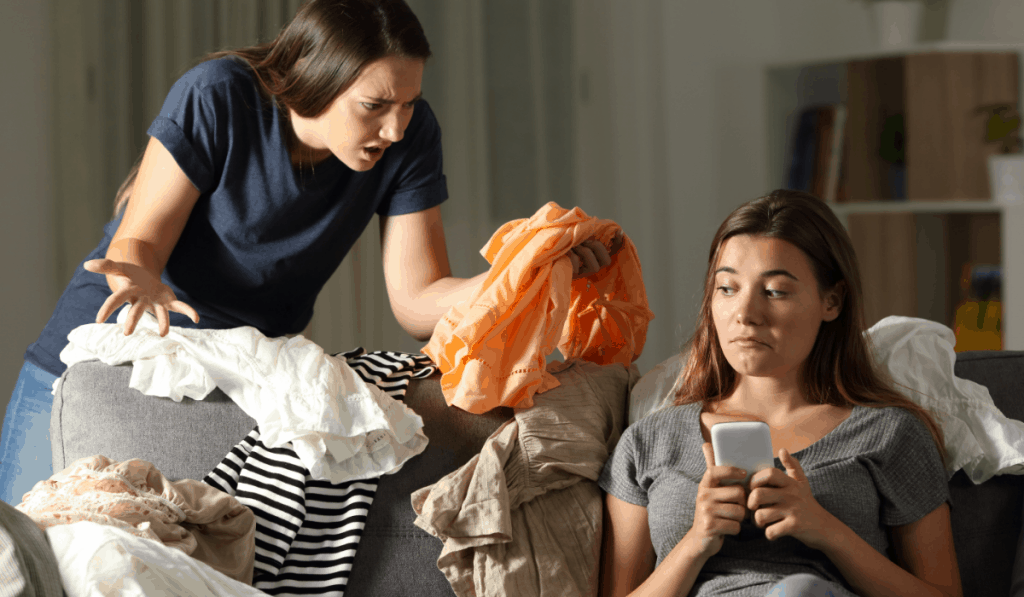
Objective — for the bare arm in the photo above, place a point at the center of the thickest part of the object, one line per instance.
(417, 274)
(627, 556)
(924, 551)
(161, 200)
(419, 279)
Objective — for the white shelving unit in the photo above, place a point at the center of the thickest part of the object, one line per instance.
(792, 86)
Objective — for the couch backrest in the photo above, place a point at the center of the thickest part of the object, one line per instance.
(987, 518)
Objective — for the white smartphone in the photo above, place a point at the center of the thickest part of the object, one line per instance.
(743, 444)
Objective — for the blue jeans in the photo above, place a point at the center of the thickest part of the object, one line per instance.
(25, 454)
(804, 585)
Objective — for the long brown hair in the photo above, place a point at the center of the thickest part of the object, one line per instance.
(839, 370)
(319, 54)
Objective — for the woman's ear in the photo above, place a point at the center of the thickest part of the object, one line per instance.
(835, 297)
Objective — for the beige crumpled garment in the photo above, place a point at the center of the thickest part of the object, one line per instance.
(524, 516)
(202, 521)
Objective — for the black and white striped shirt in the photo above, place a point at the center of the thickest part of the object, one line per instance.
(307, 530)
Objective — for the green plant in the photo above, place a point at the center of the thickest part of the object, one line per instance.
(1002, 125)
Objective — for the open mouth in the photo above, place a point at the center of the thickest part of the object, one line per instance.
(374, 151)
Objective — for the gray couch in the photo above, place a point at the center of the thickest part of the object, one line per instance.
(97, 413)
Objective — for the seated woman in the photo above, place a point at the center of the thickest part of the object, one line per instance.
(859, 476)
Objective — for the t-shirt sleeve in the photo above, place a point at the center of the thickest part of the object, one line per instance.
(420, 183)
(192, 124)
(909, 473)
(620, 474)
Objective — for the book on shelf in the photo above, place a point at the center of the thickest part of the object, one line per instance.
(815, 162)
(822, 150)
(841, 186)
(835, 157)
(801, 163)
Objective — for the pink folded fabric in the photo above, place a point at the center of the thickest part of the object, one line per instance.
(200, 520)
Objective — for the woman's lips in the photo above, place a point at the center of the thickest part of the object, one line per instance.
(750, 342)
(373, 153)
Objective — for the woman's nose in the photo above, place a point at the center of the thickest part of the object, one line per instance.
(393, 127)
(748, 309)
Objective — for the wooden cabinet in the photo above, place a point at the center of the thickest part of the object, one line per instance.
(917, 223)
(939, 96)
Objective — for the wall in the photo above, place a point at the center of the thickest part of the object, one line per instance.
(683, 84)
(29, 290)
(986, 20)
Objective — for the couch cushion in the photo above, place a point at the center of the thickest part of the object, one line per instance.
(395, 557)
(987, 518)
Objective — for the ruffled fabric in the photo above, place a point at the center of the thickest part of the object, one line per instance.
(341, 427)
(919, 356)
(191, 516)
(492, 349)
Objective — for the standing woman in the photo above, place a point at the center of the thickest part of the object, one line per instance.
(263, 167)
(859, 474)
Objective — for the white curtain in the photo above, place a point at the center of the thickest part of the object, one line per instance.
(115, 62)
(499, 81)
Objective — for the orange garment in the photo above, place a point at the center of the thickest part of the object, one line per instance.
(492, 349)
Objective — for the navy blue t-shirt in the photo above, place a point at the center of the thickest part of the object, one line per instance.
(263, 238)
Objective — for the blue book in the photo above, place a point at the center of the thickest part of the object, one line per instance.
(801, 164)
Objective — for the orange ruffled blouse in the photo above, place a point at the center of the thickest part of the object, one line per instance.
(492, 349)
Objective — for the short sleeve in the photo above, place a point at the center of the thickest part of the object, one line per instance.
(909, 473)
(420, 182)
(194, 120)
(619, 476)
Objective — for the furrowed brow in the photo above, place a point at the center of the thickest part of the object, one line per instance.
(388, 102)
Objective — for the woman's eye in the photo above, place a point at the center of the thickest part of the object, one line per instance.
(725, 290)
(370, 106)
(775, 293)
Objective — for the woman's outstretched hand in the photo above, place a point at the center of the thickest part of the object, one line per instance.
(590, 256)
(134, 284)
(783, 504)
(719, 508)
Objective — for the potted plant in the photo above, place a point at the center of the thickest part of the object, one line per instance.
(1006, 166)
(897, 22)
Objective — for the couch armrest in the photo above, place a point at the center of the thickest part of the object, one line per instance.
(95, 412)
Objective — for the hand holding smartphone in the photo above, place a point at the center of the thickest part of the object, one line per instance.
(742, 444)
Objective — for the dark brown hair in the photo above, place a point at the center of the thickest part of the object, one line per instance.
(319, 54)
(839, 371)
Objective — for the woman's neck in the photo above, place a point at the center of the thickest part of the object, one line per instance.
(302, 155)
(767, 399)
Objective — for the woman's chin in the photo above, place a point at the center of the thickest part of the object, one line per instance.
(754, 367)
(358, 165)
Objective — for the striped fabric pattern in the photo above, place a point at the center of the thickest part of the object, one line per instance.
(307, 530)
